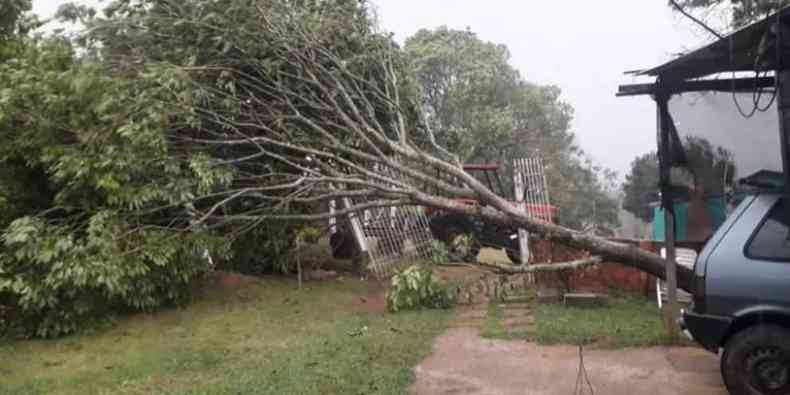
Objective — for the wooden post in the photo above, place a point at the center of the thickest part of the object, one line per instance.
(523, 236)
(783, 107)
(299, 261)
(671, 309)
(332, 220)
(361, 251)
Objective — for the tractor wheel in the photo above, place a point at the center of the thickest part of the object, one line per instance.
(514, 255)
(342, 244)
(457, 234)
(512, 250)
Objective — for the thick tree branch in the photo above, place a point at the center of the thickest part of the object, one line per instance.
(546, 267)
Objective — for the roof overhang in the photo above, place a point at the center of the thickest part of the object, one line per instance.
(751, 48)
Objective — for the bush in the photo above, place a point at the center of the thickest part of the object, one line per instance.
(95, 204)
(264, 249)
(439, 253)
(417, 287)
(58, 280)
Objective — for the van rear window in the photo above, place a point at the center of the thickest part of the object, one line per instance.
(771, 241)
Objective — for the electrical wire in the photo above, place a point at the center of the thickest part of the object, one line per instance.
(758, 92)
(757, 95)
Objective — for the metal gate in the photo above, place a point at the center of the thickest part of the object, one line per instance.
(389, 237)
(532, 196)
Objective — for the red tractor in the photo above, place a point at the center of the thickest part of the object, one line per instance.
(465, 236)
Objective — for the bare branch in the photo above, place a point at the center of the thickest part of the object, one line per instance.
(323, 216)
(545, 267)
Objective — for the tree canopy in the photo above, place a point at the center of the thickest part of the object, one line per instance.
(641, 186)
(481, 108)
(11, 16)
(709, 169)
(151, 141)
(743, 12)
(102, 183)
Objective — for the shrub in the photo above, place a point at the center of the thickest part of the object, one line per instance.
(439, 253)
(265, 248)
(95, 202)
(58, 280)
(417, 287)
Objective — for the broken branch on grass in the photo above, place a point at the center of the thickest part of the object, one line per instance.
(545, 267)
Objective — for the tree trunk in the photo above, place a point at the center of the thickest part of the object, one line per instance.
(508, 215)
(549, 267)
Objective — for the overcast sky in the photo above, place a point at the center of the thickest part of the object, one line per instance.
(581, 46)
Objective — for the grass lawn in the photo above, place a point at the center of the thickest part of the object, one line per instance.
(263, 338)
(628, 321)
(492, 327)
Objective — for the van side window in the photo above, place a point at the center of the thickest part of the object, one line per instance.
(771, 239)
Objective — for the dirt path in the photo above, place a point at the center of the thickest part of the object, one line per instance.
(463, 363)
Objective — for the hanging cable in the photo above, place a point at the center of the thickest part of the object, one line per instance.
(581, 377)
(758, 91)
(743, 113)
(758, 95)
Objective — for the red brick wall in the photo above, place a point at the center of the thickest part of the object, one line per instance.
(598, 278)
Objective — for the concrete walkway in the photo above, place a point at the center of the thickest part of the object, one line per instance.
(463, 363)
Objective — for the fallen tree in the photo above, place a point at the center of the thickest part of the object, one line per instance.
(337, 125)
(544, 267)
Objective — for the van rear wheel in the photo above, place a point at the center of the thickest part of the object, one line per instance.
(756, 361)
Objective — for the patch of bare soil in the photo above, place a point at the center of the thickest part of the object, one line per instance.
(463, 363)
(374, 300)
(229, 280)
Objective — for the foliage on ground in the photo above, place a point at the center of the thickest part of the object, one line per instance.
(107, 203)
(264, 248)
(439, 253)
(418, 287)
(264, 338)
(100, 192)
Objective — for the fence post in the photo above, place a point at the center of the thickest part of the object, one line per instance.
(523, 236)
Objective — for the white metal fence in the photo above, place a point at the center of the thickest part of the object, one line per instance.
(532, 195)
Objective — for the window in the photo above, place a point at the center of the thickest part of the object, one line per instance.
(771, 239)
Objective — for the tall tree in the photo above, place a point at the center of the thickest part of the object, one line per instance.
(480, 108)
(641, 186)
(468, 89)
(710, 168)
(11, 15)
(148, 144)
(338, 125)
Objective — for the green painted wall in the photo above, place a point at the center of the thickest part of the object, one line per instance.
(716, 213)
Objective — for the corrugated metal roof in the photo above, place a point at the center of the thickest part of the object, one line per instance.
(738, 51)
